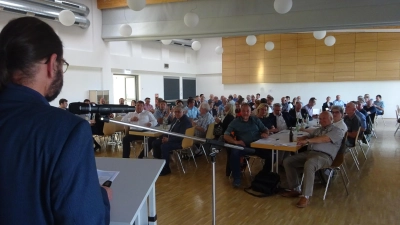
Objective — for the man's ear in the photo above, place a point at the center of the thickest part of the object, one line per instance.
(52, 66)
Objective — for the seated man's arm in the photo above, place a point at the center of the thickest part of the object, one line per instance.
(75, 192)
(228, 138)
(127, 118)
(153, 120)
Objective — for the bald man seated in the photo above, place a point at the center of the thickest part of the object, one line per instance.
(323, 145)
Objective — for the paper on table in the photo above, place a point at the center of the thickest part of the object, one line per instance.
(289, 144)
(106, 175)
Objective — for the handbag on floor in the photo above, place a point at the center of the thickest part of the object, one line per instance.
(264, 184)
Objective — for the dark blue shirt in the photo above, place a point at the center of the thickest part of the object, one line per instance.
(47, 164)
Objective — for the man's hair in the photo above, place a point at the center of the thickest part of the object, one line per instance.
(163, 101)
(23, 43)
(86, 100)
(312, 99)
(245, 105)
(263, 100)
(177, 101)
(205, 105)
(379, 96)
(62, 101)
(258, 94)
(230, 97)
(140, 102)
(277, 105)
(338, 108)
(147, 98)
(190, 100)
(201, 95)
(178, 108)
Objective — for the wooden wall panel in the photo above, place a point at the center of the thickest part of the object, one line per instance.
(301, 58)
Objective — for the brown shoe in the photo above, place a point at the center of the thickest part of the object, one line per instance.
(291, 194)
(303, 202)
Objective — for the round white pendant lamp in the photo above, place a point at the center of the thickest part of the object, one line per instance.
(219, 50)
(191, 19)
(319, 34)
(269, 46)
(330, 41)
(251, 40)
(166, 42)
(66, 18)
(136, 5)
(196, 45)
(125, 30)
(283, 6)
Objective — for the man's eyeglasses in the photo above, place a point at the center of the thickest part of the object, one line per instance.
(65, 64)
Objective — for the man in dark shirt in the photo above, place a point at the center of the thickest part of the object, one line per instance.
(371, 110)
(47, 164)
(352, 122)
(246, 129)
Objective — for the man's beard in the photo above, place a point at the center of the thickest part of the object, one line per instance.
(55, 86)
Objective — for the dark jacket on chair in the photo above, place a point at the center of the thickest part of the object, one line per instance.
(179, 126)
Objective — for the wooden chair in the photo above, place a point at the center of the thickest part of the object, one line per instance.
(209, 135)
(186, 145)
(109, 132)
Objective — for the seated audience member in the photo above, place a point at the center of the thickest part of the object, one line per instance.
(309, 107)
(213, 110)
(298, 99)
(337, 113)
(258, 96)
(327, 105)
(379, 105)
(230, 100)
(235, 98)
(191, 111)
(323, 145)
(252, 102)
(255, 106)
(121, 101)
(366, 98)
(361, 100)
(237, 109)
(370, 109)
(202, 99)
(248, 98)
(262, 115)
(133, 103)
(352, 122)
(140, 117)
(102, 101)
(246, 130)
(197, 101)
(285, 105)
(270, 101)
(167, 143)
(290, 105)
(339, 102)
(91, 119)
(278, 119)
(221, 108)
(211, 97)
(229, 115)
(218, 102)
(295, 101)
(297, 114)
(162, 113)
(361, 116)
(201, 125)
(63, 104)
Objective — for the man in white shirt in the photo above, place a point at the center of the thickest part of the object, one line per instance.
(140, 117)
(338, 122)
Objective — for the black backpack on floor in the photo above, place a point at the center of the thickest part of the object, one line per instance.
(266, 183)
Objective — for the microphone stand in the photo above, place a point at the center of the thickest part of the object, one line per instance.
(213, 153)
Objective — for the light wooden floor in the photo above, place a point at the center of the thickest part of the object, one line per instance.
(374, 193)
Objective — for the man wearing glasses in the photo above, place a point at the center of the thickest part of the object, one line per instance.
(47, 165)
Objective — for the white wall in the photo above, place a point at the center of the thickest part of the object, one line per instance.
(212, 84)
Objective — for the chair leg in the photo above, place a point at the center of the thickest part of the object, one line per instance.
(354, 158)
(397, 129)
(190, 149)
(327, 184)
(248, 166)
(362, 150)
(345, 173)
(204, 152)
(180, 161)
(345, 186)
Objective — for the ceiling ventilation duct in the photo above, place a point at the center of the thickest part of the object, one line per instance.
(47, 9)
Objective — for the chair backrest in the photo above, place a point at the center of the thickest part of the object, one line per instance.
(210, 131)
(340, 155)
(119, 128)
(186, 142)
(358, 133)
(397, 115)
(108, 129)
(118, 118)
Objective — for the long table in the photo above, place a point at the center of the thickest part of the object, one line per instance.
(134, 199)
(146, 135)
(279, 142)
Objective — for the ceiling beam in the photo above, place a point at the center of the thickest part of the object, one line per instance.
(111, 4)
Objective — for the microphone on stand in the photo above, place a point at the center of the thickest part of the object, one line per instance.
(83, 108)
